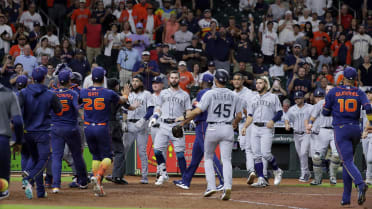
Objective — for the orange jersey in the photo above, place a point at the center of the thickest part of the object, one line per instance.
(186, 79)
(80, 17)
(15, 51)
(318, 42)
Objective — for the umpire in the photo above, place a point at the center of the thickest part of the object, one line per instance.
(9, 110)
(117, 140)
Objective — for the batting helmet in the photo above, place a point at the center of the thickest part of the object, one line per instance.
(222, 76)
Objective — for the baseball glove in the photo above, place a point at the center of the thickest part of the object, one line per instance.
(177, 131)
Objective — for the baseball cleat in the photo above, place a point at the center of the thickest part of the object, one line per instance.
(220, 187)
(180, 184)
(74, 183)
(344, 203)
(362, 194)
(305, 178)
(97, 187)
(226, 194)
(369, 181)
(144, 181)
(43, 196)
(163, 178)
(83, 186)
(209, 192)
(316, 182)
(28, 189)
(333, 180)
(278, 174)
(260, 183)
(251, 177)
(55, 190)
(4, 194)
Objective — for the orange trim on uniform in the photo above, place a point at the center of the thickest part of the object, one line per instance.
(60, 113)
(98, 124)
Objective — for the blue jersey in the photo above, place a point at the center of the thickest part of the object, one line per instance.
(343, 103)
(203, 116)
(97, 103)
(37, 102)
(70, 107)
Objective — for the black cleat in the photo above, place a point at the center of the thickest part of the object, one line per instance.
(362, 195)
(344, 203)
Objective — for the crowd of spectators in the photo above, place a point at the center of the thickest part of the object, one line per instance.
(301, 45)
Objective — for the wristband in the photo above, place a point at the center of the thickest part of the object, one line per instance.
(311, 122)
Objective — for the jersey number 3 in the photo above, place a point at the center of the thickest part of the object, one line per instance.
(98, 104)
(348, 105)
(223, 109)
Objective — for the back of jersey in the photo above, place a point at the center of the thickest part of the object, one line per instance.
(345, 103)
(97, 104)
(221, 104)
(70, 107)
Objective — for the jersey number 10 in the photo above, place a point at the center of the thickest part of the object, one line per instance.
(223, 109)
(98, 104)
(348, 105)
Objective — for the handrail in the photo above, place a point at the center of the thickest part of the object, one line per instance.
(49, 20)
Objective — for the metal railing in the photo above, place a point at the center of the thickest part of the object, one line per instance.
(49, 20)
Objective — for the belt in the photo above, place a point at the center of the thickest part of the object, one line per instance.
(299, 133)
(133, 120)
(157, 125)
(315, 133)
(227, 123)
(126, 69)
(259, 124)
(169, 121)
(328, 127)
(94, 124)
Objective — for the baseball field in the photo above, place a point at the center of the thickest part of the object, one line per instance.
(290, 194)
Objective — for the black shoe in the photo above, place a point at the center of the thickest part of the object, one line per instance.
(109, 178)
(118, 180)
(362, 195)
(344, 203)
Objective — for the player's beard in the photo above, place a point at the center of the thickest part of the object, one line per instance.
(138, 89)
(174, 85)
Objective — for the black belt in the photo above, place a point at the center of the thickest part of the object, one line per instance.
(328, 127)
(157, 125)
(168, 121)
(315, 133)
(133, 120)
(259, 124)
(299, 133)
(227, 123)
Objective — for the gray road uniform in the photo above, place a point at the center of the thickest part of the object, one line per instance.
(138, 127)
(245, 141)
(297, 116)
(321, 142)
(222, 104)
(367, 149)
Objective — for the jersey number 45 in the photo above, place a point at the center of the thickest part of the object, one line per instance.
(223, 109)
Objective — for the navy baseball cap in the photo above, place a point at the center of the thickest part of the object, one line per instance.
(350, 73)
(98, 73)
(157, 79)
(139, 77)
(21, 80)
(208, 78)
(298, 95)
(369, 90)
(64, 76)
(38, 74)
(211, 63)
(319, 93)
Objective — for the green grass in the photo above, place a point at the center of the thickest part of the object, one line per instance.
(19, 179)
(48, 207)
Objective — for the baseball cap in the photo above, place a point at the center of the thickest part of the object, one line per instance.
(182, 63)
(322, 22)
(350, 73)
(64, 76)
(146, 53)
(80, 51)
(298, 94)
(208, 78)
(183, 23)
(98, 73)
(165, 45)
(288, 12)
(21, 80)
(139, 25)
(369, 90)
(244, 32)
(211, 63)
(297, 45)
(157, 79)
(207, 10)
(38, 74)
(319, 93)
(128, 40)
(195, 37)
(36, 24)
(139, 77)
(259, 55)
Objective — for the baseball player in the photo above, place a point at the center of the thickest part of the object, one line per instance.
(245, 141)
(297, 114)
(9, 111)
(65, 130)
(321, 142)
(157, 86)
(344, 103)
(37, 103)
(367, 142)
(97, 107)
(198, 147)
(221, 104)
(171, 104)
(137, 122)
(263, 111)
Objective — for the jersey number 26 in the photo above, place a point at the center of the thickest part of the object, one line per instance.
(98, 104)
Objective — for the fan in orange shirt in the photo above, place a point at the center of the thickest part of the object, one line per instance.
(320, 39)
(80, 18)
(17, 50)
(141, 9)
(186, 78)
